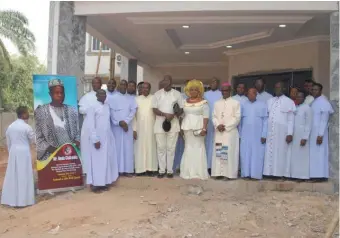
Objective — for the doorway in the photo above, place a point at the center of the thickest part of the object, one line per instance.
(291, 78)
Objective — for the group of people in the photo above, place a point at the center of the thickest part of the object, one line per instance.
(128, 131)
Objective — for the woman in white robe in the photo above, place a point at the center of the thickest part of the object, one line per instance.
(299, 159)
(194, 125)
(18, 187)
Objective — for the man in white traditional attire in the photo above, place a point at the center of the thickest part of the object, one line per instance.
(145, 142)
(226, 117)
(240, 91)
(18, 186)
(261, 94)
(102, 165)
(85, 103)
(280, 134)
(212, 96)
(253, 133)
(299, 159)
(308, 86)
(319, 157)
(123, 109)
(163, 104)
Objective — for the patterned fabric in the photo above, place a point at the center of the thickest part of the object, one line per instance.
(48, 135)
(55, 82)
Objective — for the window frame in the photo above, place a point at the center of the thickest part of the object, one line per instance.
(93, 50)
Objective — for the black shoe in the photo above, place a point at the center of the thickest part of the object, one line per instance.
(209, 172)
(169, 175)
(160, 175)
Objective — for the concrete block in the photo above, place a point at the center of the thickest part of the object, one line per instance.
(325, 188)
(303, 187)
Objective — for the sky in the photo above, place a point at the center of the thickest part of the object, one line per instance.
(37, 12)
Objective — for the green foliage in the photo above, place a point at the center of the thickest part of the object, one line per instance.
(14, 26)
(16, 83)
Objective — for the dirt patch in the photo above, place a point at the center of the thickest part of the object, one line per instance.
(163, 208)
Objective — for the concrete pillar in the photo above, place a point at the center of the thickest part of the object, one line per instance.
(124, 68)
(334, 98)
(66, 42)
(132, 76)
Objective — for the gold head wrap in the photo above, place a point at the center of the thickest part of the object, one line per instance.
(194, 84)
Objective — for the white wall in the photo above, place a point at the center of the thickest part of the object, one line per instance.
(91, 62)
(121, 69)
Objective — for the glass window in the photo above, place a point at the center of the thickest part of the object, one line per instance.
(96, 44)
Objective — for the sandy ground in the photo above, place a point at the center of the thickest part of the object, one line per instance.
(150, 207)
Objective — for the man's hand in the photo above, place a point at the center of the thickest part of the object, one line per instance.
(169, 116)
(51, 149)
(303, 142)
(181, 133)
(126, 128)
(135, 135)
(97, 145)
(289, 139)
(77, 143)
(124, 125)
(319, 140)
(203, 132)
(221, 128)
(263, 140)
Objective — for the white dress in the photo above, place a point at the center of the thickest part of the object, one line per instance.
(194, 160)
(18, 187)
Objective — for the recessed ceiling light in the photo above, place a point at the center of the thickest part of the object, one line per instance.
(229, 46)
(187, 52)
(186, 26)
(282, 25)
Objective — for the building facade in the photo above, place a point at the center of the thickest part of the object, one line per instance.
(229, 40)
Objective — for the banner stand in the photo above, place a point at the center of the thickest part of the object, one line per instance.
(59, 165)
(58, 190)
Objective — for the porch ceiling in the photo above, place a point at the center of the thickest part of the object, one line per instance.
(158, 39)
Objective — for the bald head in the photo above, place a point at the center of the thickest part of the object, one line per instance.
(96, 84)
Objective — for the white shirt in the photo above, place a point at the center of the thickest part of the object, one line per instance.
(165, 101)
(309, 99)
(239, 98)
(264, 96)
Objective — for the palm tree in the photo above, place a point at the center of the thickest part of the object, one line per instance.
(14, 26)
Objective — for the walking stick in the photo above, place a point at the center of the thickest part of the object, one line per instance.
(333, 225)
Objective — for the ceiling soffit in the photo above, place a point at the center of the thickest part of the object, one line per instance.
(169, 21)
(231, 41)
(219, 20)
(161, 40)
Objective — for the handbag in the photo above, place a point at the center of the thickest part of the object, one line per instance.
(166, 125)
